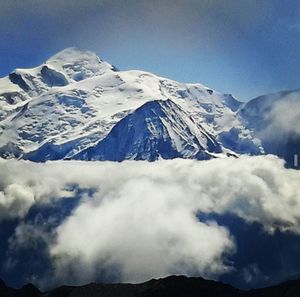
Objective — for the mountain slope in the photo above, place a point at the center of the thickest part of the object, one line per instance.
(157, 129)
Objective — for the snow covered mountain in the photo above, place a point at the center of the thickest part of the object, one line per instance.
(76, 106)
(159, 128)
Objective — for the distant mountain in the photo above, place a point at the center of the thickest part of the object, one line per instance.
(173, 286)
(76, 106)
(275, 120)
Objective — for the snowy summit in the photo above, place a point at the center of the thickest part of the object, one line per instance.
(76, 106)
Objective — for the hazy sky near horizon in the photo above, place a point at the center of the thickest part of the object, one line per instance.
(245, 47)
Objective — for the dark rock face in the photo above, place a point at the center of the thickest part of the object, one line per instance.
(18, 80)
(53, 78)
(173, 286)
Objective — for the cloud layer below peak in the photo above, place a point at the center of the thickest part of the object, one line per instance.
(141, 220)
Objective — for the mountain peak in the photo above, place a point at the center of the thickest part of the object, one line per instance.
(78, 64)
(72, 54)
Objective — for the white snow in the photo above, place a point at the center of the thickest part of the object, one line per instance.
(96, 98)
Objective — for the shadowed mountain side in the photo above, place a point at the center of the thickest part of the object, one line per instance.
(172, 286)
(146, 134)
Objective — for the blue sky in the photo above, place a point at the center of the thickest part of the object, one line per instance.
(245, 47)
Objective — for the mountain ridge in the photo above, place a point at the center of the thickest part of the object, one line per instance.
(69, 106)
(176, 286)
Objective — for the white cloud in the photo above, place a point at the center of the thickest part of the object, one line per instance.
(141, 220)
(22, 184)
(15, 200)
(143, 230)
(282, 122)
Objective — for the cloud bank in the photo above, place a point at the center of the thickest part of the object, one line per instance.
(140, 220)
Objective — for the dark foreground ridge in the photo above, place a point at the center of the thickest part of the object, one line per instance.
(172, 286)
